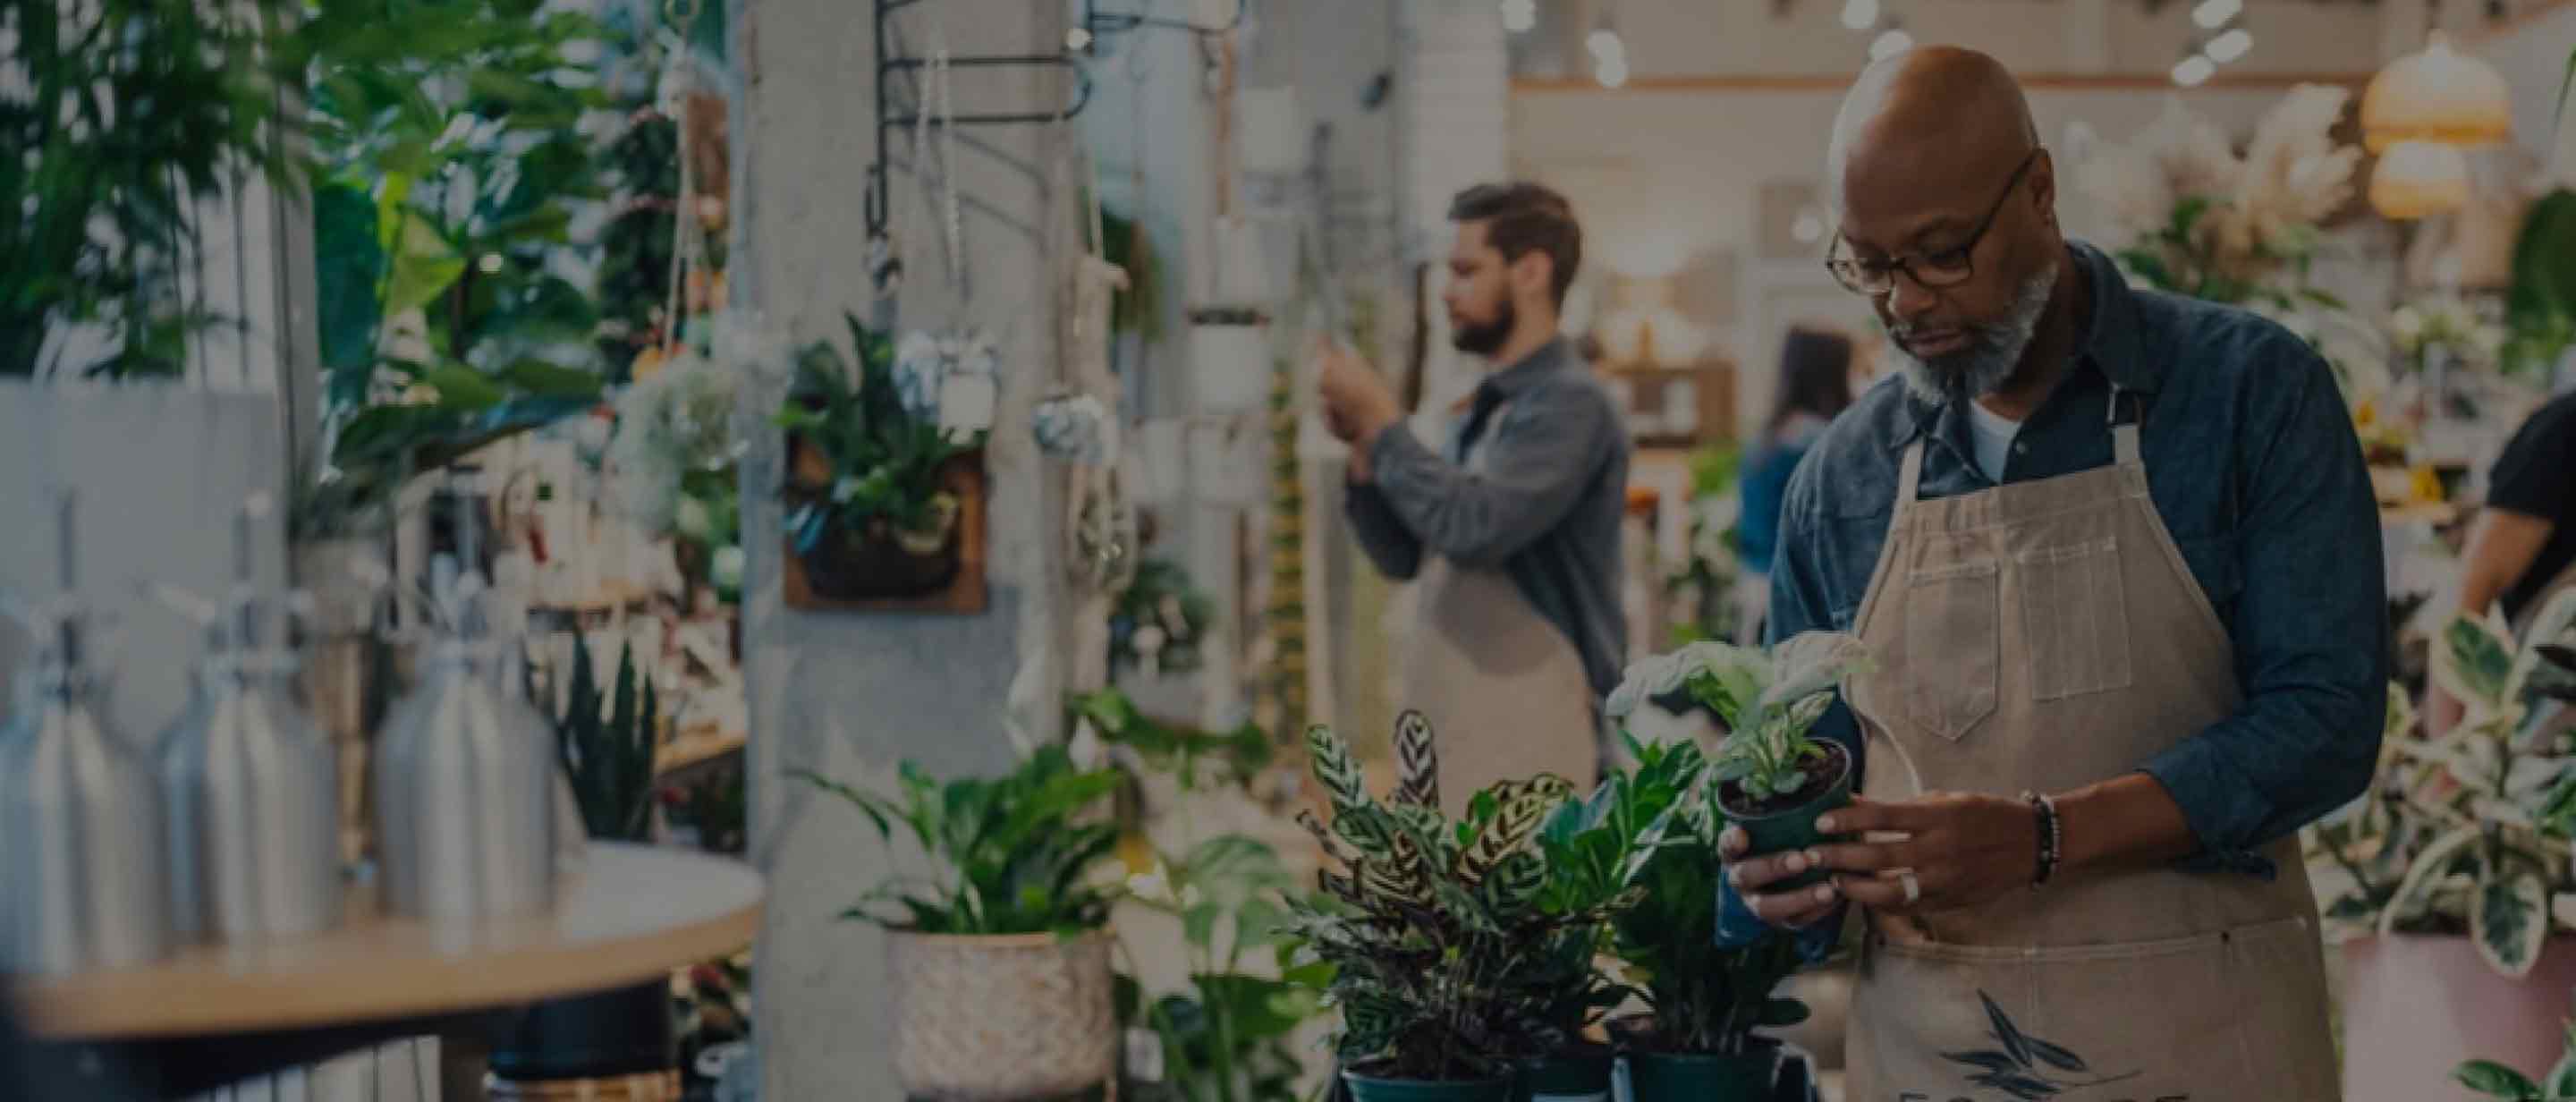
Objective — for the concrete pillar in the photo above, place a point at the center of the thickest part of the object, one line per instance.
(846, 693)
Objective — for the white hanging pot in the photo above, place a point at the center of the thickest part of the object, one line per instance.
(1230, 367)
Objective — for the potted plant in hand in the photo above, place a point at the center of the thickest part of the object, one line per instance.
(1433, 931)
(2441, 877)
(1000, 959)
(1698, 1043)
(1768, 776)
(870, 508)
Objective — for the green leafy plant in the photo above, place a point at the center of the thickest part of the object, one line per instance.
(1434, 932)
(716, 805)
(875, 463)
(1014, 854)
(606, 743)
(1226, 1038)
(118, 118)
(2540, 306)
(448, 157)
(2495, 1080)
(1138, 307)
(1768, 702)
(1598, 852)
(1194, 758)
(1705, 999)
(2468, 833)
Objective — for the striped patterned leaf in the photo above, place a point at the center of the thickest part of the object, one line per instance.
(1519, 807)
(1514, 885)
(1368, 828)
(1336, 768)
(1417, 762)
(1397, 883)
(1342, 888)
(1370, 1023)
(1428, 831)
(1463, 906)
(1324, 837)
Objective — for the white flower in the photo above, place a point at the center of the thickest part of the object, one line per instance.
(2293, 171)
(845, 489)
(728, 567)
(1811, 663)
(690, 518)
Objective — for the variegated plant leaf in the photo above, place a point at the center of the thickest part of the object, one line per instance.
(2509, 918)
(1341, 887)
(2555, 624)
(1336, 768)
(1417, 762)
(2424, 876)
(1323, 836)
(1519, 807)
(1514, 884)
(2474, 662)
(1463, 906)
(1368, 828)
(1398, 882)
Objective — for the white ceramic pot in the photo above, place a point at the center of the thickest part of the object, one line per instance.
(2415, 1007)
(999, 1018)
(1230, 368)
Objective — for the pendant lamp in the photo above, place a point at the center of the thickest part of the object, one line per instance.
(2438, 95)
(2418, 179)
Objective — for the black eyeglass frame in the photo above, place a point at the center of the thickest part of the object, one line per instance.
(1851, 272)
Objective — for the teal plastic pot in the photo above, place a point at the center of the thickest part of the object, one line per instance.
(1577, 1075)
(1370, 1088)
(1794, 828)
(1693, 1077)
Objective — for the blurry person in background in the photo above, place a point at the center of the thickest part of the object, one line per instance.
(1814, 385)
(2523, 550)
(1513, 526)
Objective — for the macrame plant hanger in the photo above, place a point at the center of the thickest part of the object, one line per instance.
(688, 234)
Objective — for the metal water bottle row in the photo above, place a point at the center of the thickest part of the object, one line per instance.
(227, 829)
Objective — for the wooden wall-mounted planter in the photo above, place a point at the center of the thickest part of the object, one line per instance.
(963, 591)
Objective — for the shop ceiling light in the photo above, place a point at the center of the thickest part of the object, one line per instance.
(1860, 15)
(2418, 179)
(2213, 14)
(1890, 44)
(2230, 46)
(2439, 95)
(2193, 71)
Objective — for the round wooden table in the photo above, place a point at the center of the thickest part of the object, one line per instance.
(633, 912)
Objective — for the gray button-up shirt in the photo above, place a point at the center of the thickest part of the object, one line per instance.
(1542, 504)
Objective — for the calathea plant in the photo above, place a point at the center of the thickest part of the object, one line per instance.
(868, 463)
(1434, 930)
(1014, 854)
(2468, 833)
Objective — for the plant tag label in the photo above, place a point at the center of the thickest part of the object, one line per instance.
(1144, 1056)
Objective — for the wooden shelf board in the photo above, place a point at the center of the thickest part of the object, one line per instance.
(633, 913)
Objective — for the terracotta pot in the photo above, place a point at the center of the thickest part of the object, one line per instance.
(2415, 1007)
(999, 1018)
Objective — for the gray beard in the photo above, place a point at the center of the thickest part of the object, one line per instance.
(1990, 361)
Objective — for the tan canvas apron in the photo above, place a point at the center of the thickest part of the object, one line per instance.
(2043, 636)
(1504, 688)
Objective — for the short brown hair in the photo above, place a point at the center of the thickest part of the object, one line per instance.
(1521, 218)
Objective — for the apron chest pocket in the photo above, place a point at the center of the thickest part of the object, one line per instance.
(2075, 619)
(1951, 646)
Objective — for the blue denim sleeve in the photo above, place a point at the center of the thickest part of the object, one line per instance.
(2310, 633)
(1798, 603)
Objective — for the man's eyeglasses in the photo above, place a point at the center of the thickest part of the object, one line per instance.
(1947, 268)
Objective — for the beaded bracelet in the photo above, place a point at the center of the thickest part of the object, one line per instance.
(2052, 836)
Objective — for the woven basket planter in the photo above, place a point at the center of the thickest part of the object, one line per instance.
(994, 1018)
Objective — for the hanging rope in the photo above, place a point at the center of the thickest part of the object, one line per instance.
(687, 236)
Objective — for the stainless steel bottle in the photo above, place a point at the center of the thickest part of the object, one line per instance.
(465, 772)
(80, 823)
(249, 783)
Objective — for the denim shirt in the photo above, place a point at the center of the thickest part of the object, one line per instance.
(2254, 467)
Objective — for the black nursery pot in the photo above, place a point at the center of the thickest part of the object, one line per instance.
(627, 1031)
(1780, 827)
(851, 565)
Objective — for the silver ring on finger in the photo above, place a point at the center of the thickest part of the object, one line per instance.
(1913, 885)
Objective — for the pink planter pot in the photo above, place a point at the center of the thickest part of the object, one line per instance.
(2415, 1007)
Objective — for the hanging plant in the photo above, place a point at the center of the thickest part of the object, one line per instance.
(870, 511)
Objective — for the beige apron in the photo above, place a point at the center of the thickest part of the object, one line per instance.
(1504, 689)
(2044, 636)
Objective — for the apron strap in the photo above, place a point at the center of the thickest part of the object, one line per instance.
(1909, 478)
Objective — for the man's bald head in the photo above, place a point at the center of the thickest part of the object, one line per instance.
(1931, 104)
(1947, 209)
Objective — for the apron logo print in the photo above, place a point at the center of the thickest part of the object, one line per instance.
(2022, 1067)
